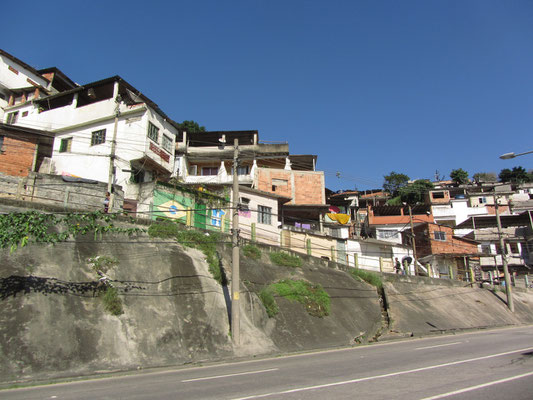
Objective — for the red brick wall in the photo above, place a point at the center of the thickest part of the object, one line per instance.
(427, 244)
(16, 157)
(304, 187)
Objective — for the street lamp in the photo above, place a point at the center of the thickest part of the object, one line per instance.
(507, 156)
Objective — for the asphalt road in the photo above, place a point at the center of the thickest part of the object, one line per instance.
(496, 364)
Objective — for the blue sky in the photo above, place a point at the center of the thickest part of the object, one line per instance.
(369, 86)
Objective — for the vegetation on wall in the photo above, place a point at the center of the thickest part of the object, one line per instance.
(19, 229)
(251, 251)
(112, 302)
(314, 298)
(106, 291)
(206, 242)
(286, 259)
(367, 276)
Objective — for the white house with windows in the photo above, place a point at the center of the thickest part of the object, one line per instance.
(106, 130)
(259, 215)
(20, 83)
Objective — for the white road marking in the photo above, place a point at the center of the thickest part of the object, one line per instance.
(438, 345)
(469, 389)
(206, 378)
(368, 378)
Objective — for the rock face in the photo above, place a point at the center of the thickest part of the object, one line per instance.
(53, 323)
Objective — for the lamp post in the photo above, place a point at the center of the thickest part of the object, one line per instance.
(508, 156)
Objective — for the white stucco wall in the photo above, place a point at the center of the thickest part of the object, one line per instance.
(12, 80)
(265, 233)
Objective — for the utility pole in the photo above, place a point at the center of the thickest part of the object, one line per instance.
(235, 279)
(413, 242)
(510, 304)
(111, 177)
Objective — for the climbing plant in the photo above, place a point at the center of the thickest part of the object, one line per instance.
(19, 229)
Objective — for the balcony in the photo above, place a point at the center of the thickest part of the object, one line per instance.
(218, 179)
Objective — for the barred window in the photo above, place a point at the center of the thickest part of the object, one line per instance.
(66, 145)
(98, 137)
(264, 215)
(167, 143)
(439, 235)
(153, 132)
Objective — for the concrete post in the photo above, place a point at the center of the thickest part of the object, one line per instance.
(356, 260)
(308, 243)
(380, 265)
(253, 231)
(333, 253)
(65, 200)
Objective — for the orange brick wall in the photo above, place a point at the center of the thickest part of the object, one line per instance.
(304, 187)
(16, 158)
(309, 188)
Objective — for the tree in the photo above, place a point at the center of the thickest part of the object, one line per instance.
(415, 192)
(516, 175)
(191, 126)
(481, 177)
(394, 181)
(459, 176)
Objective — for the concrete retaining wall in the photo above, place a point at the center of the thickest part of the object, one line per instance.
(419, 305)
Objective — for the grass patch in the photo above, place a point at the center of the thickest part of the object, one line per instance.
(285, 259)
(369, 277)
(203, 241)
(314, 298)
(112, 302)
(252, 252)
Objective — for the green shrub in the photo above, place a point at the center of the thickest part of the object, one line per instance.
(285, 259)
(252, 252)
(112, 302)
(267, 298)
(369, 277)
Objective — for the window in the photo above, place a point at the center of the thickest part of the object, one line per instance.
(209, 171)
(1, 143)
(514, 248)
(193, 170)
(137, 175)
(153, 132)
(167, 143)
(439, 235)
(437, 195)
(482, 200)
(245, 204)
(485, 248)
(66, 145)
(98, 137)
(12, 118)
(242, 170)
(264, 215)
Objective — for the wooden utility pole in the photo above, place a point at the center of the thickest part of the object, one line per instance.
(235, 273)
(510, 304)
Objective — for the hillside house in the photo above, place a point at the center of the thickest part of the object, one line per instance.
(448, 255)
